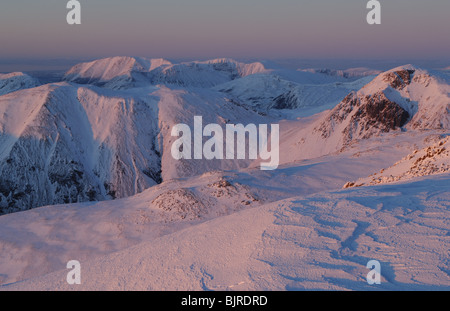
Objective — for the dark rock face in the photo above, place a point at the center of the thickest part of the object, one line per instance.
(338, 114)
(29, 180)
(376, 114)
(367, 115)
(285, 101)
(384, 113)
(399, 79)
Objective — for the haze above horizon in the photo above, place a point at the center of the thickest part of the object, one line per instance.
(410, 29)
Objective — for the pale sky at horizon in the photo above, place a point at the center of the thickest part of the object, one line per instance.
(232, 28)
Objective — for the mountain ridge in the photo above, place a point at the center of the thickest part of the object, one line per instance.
(80, 142)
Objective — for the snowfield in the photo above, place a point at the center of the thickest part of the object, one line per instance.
(86, 174)
(316, 242)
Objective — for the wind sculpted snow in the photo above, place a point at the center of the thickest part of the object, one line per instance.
(318, 242)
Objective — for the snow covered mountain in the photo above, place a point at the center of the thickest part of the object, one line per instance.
(278, 94)
(178, 206)
(115, 72)
(180, 106)
(431, 160)
(204, 74)
(63, 143)
(351, 73)
(67, 142)
(425, 95)
(15, 81)
(126, 72)
(401, 99)
(105, 133)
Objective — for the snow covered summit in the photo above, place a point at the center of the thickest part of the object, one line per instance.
(404, 97)
(15, 81)
(128, 72)
(114, 72)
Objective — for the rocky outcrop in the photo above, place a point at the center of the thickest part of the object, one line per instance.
(399, 79)
(431, 160)
(364, 116)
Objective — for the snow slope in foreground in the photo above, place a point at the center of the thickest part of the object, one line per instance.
(323, 241)
(431, 160)
(40, 241)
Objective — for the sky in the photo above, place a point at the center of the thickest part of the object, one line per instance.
(177, 29)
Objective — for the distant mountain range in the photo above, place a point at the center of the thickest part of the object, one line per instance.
(104, 131)
(126, 72)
